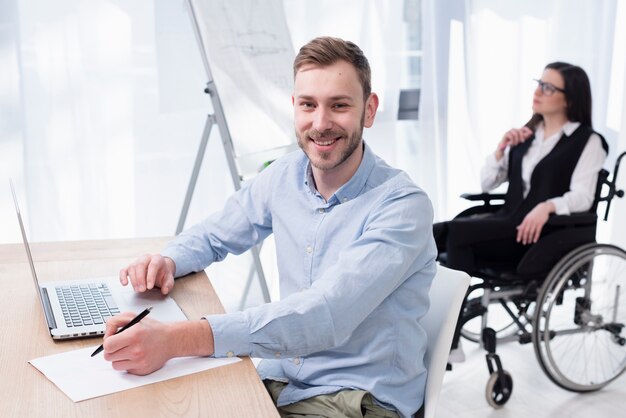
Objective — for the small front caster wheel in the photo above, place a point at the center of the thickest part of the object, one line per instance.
(498, 389)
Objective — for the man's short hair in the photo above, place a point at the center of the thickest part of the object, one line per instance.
(326, 50)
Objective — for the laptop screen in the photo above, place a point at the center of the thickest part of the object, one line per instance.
(28, 254)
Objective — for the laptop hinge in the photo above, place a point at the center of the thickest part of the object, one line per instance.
(47, 308)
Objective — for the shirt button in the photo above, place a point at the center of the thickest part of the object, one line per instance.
(230, 354)
(309, 249)
(344, 200)
(321, 210)
(296, 361)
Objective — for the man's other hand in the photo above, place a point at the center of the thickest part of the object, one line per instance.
(150, 271)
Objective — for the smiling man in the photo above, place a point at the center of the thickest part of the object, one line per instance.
(331, 108)
(355, 256)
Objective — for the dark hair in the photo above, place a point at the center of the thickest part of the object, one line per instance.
(325, 51)
(577, 94)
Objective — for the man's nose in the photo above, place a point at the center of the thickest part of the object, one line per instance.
(322, 120)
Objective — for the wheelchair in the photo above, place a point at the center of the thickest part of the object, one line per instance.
(566, 296)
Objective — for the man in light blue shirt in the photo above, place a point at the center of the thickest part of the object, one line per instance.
(355, 251)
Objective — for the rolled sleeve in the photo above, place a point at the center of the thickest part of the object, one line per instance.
(494, 172)
(560, 205)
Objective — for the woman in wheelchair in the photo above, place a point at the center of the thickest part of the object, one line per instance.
(553, 284)
(551, 165)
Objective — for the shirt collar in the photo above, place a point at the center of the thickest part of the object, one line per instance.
(568, 129)
(352, 188)
(355, 185)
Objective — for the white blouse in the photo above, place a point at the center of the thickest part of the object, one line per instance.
(583, 184)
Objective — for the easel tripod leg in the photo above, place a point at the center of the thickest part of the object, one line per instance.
(194, 174)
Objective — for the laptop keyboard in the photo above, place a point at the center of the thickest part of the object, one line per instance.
(86, 304)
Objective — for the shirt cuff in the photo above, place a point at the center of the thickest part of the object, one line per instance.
(230, 334)
(561, 205)
(184, 263)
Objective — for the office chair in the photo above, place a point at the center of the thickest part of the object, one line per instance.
(446, 295)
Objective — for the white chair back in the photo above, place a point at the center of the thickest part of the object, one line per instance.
(446, 296)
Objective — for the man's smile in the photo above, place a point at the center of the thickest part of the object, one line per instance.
(325, 142)
(324, 139)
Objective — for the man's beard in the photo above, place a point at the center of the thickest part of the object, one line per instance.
(323, 159)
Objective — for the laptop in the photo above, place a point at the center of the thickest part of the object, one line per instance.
(80, 308)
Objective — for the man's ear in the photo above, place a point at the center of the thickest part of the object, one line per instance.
(371, 105)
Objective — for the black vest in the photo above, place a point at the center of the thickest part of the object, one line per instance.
(550, 178)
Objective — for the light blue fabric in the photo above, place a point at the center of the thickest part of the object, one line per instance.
(354, 278)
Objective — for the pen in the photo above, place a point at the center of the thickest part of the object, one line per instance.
(133, 321)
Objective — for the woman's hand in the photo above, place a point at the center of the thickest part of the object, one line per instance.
(511, 138)
(529, 230)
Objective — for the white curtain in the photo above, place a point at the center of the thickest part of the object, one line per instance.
(485, 54)
(438, 18)
(378, 28)
(106, 108)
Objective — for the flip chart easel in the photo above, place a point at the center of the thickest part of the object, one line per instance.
(242, 35)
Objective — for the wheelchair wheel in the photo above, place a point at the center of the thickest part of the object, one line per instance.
(497, 319)
(578, 328)
(498, 390)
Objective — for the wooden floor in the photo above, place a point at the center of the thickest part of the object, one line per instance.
(534, 395)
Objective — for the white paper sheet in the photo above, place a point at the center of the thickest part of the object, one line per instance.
(81, 376)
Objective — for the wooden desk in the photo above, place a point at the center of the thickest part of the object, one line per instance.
(230, 391)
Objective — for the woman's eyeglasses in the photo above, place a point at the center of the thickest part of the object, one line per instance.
(548, 89)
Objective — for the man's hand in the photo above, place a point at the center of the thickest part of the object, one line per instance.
(149, 271)
(529, 230)
(140, 349)
(511, 138)
(147, 346)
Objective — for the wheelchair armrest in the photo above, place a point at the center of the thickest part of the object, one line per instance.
(485, 197)
(573, 219)
(488, 205)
